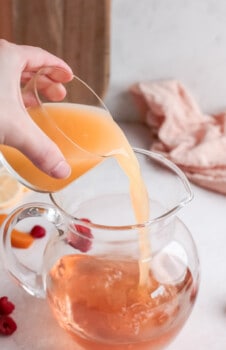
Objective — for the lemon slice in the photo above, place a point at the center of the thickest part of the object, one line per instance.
(11, 190)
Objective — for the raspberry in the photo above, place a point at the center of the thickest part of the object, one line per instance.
(82, 241)
(7, 325)
(84, 230)
(6, 307)
(38, 231)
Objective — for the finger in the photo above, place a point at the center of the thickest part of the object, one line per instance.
(54, 92)
(31, 59)
(43, 86)
(45, 155)
(37, 58)
(28, 138)
(54, 74)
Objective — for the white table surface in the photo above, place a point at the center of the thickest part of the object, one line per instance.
(205, 216)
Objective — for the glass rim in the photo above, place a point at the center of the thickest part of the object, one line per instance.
(168, 213)
(101, 104)
(74, 76)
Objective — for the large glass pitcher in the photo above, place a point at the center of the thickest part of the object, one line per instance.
(90, 268)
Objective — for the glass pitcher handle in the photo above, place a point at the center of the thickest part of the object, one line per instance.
(27, 278)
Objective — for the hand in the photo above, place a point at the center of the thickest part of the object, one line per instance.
(18, 63)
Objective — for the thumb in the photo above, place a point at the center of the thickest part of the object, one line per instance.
(28, 138)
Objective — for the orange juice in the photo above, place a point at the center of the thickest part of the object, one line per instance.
(82, 133)
(103, 307)
(85, 135)
(105, 303)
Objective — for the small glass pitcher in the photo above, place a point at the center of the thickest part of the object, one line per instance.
(60, 123)
(89, 270)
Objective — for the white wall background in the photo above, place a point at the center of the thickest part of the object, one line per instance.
(160, 39)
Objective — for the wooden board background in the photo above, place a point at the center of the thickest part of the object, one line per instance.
(76, 30)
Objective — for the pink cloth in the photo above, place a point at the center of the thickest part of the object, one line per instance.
(194, 141)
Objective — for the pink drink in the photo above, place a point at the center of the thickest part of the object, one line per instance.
(104, 307)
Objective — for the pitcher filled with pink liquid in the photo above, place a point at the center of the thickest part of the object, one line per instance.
(112, 280)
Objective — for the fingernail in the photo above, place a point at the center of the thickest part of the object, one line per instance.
(61, 170)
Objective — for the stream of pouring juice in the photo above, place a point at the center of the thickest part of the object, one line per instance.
(105, 303)
(96, 133)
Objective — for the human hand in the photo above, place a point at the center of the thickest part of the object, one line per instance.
(18, 64)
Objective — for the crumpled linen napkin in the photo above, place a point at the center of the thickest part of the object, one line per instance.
(194, 141)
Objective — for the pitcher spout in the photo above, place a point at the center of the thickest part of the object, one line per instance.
(169, 186)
